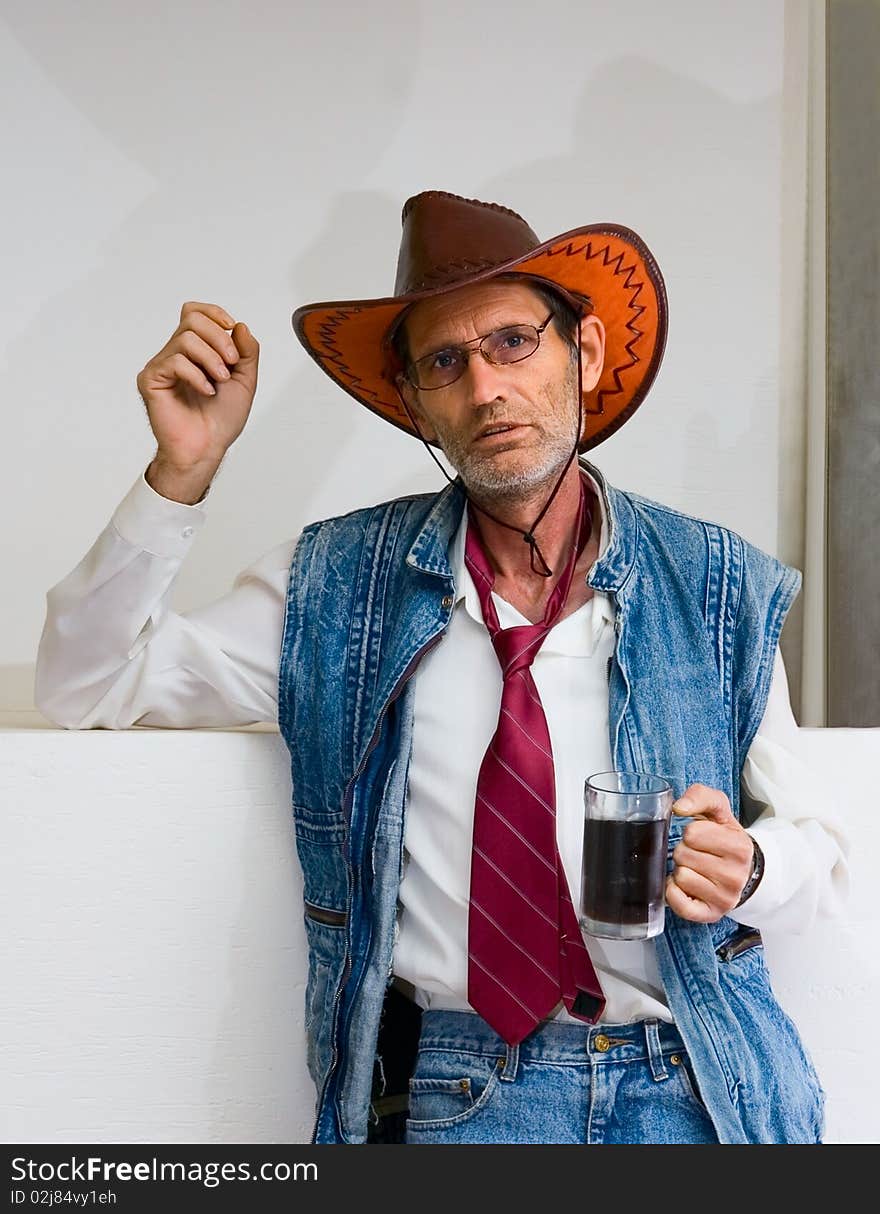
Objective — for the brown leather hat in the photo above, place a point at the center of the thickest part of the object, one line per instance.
(449, 242)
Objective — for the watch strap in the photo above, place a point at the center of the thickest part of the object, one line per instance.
(756, 874)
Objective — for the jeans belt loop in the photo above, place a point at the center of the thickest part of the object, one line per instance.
(510, 1065)
(655, 1053)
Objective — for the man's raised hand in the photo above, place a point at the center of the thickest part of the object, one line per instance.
(198, 390)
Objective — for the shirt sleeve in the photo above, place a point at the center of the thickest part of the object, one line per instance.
(797, 826)
(113, 654)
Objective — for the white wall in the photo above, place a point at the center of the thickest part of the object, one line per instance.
(154, 956)
(259, 156)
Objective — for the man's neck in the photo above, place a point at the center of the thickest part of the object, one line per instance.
(510, 555)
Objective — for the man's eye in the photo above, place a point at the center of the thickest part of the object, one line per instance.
(511, 340)
(444, 359)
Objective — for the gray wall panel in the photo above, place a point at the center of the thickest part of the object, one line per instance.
(853, 571)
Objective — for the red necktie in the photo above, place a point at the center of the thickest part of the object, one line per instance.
(525, 949)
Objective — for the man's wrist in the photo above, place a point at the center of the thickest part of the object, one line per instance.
(187, 486)
(756, 874)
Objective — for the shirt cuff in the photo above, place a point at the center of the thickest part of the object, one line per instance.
(764, 900)
(147, 520)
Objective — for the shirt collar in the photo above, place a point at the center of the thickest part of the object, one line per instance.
(599, 610)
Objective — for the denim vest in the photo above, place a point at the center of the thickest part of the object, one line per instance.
(698, 616)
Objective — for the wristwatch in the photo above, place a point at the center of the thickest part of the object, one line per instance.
(756, 874)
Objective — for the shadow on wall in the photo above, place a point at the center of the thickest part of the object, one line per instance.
(688, 155)
(206, 173)
(682, 155)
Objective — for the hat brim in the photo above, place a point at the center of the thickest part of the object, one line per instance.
(607, 262)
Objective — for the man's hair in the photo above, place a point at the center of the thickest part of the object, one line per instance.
(564, 315)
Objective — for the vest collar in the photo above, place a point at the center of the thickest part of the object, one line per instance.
(430, 549)
(612, 569)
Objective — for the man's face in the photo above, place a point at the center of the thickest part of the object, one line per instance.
(536, 398)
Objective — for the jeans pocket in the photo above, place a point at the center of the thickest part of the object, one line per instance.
(449, 1087)
(688, 1079)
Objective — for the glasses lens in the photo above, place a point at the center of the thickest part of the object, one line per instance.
(504, 346)
(511, 344)
(437, 370)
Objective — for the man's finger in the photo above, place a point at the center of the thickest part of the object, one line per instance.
(700, 800)
(687, 907)
(712, 865)
(704, 835)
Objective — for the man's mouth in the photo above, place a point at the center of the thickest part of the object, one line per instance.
(497, 428)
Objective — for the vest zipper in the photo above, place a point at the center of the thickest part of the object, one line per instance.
(618, 626)
(349, 792)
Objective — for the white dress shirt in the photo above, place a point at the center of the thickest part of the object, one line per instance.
(113, 654)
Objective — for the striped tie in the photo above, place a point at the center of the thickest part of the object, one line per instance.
(525, 948)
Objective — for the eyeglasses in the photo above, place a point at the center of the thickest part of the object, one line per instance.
(502, 347)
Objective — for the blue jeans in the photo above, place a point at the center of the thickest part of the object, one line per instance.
(565, 1083)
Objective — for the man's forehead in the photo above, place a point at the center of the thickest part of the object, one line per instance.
(452, 314)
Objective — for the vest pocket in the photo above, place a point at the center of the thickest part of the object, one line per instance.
(322, 914)
(780, 1089)
(319, 844)
(326, 943)
(741, 941)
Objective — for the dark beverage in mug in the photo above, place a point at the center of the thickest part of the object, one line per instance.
(624, 877)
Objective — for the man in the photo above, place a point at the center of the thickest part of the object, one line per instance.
(447, 669)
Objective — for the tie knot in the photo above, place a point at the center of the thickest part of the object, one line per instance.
(516, 647)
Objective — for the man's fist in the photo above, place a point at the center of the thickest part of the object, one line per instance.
(713, 858)
(199, 388)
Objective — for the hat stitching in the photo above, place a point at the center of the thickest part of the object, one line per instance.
(637, 333)
(489, 206)
(441, 271)
(327, 329)
(590, 254)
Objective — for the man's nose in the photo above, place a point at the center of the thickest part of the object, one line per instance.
(483, 381)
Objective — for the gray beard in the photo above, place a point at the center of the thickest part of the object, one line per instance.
(491, 485)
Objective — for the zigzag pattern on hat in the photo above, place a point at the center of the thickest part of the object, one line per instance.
(330, 349)
(327, 331)
(571, 250)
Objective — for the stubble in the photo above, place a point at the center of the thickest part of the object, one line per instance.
(494, 478)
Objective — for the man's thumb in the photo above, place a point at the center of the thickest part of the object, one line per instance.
(248, 346)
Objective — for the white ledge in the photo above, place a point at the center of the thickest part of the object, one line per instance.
(155, 955)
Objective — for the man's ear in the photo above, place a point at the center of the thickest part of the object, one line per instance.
(411, 398)
(592, 350)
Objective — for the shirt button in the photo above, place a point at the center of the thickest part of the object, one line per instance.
(447, 601)
(187, 532)
(602, 1043)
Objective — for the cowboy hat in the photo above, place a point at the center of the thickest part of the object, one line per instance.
(449, 242)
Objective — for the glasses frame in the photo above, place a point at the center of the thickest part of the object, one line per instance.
(467, 353)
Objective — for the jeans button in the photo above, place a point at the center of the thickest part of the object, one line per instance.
(602, 1043)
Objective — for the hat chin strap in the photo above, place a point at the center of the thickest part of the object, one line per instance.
(529, 535)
